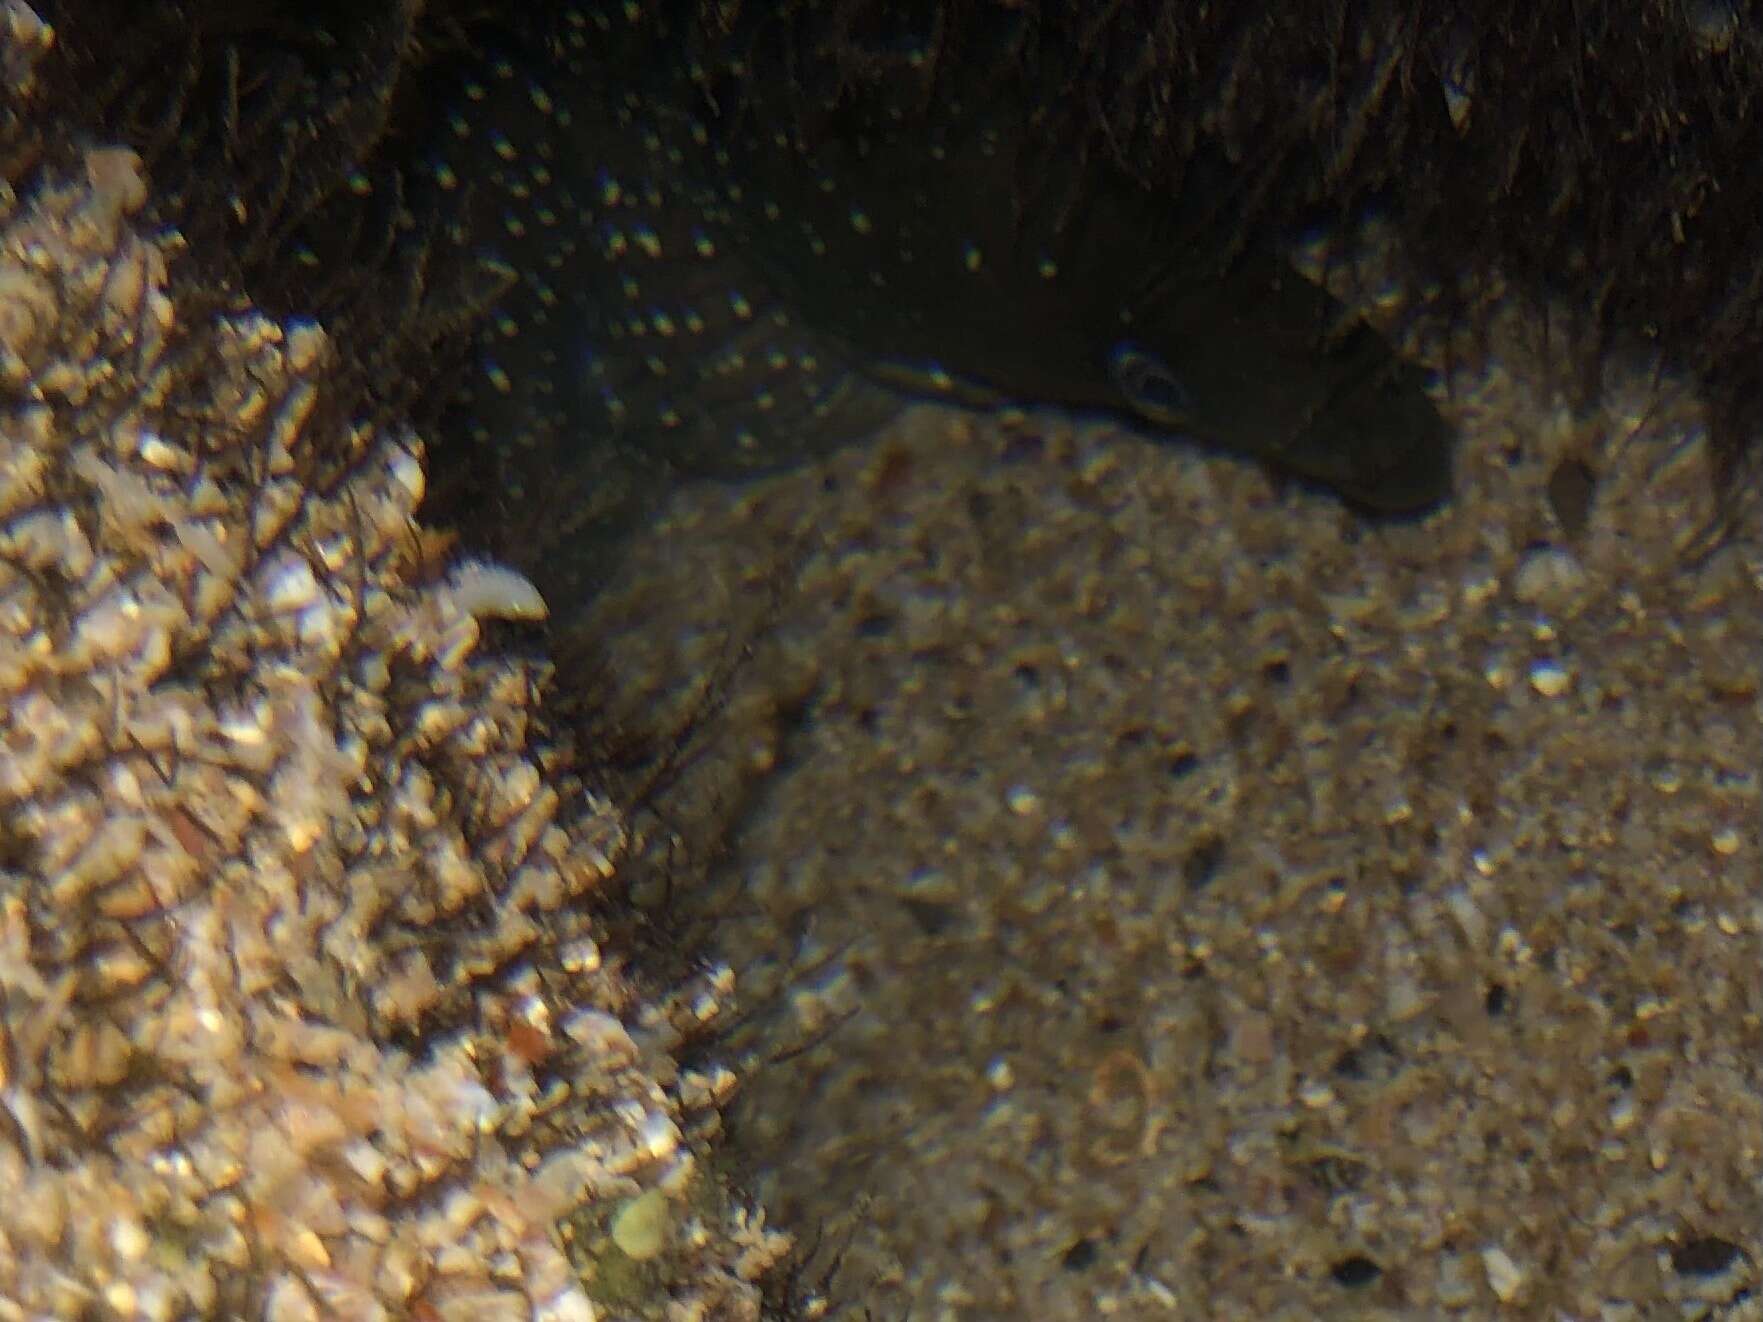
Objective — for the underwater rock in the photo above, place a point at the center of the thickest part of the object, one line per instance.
(290, 894)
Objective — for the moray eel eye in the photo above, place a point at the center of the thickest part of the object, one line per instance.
(1152, 390)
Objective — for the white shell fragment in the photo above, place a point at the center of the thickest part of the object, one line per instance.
(486, 591)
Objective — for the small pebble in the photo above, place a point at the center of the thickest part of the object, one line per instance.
(1550, 678)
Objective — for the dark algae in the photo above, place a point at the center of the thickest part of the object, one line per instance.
(709, 281)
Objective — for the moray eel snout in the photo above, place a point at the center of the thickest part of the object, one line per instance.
(1375, 438)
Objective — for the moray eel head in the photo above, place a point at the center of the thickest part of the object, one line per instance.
(1248, 362)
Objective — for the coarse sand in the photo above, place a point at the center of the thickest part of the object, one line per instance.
(1162, 895)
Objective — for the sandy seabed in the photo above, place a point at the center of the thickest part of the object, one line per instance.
(1229, 909)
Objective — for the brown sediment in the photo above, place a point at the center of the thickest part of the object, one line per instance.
(1416, 867)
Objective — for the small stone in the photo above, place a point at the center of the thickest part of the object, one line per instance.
(1550, 677)
(1505, 1277)
(1547, 576)
(640, 1227)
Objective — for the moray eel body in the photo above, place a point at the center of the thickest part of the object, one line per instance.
(711, 287)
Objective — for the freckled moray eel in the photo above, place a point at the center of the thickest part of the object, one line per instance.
(709, 284)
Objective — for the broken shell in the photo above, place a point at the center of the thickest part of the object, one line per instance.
(487, 591)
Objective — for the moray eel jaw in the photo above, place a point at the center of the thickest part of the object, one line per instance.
(1260, 361)
(1382, 444)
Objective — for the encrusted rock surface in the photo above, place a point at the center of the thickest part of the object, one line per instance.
(302, 1012)
(1241, 911)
